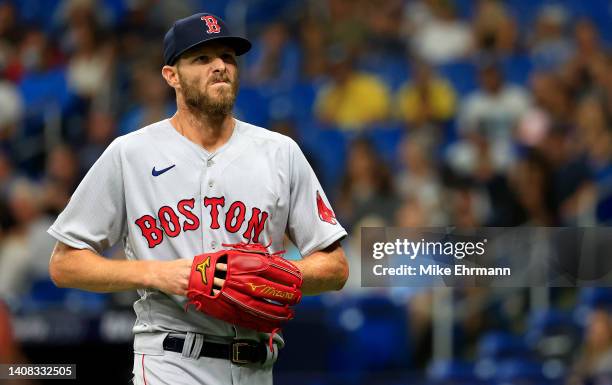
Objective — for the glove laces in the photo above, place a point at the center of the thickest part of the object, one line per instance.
(271, 340)
(254, 247)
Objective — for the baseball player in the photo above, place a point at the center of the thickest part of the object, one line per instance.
(201, 202)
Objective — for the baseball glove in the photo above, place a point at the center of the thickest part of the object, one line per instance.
(258, 291)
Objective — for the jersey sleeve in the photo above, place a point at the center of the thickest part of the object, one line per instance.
(312, 225)
(95, 217)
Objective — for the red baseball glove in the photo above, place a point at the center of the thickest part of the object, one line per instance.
(258, 290)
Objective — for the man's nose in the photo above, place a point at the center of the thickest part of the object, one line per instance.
(218, 64)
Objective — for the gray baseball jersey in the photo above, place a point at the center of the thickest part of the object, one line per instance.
(166, 197)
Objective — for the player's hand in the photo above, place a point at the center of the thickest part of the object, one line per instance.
(218, 283)
(171, 277)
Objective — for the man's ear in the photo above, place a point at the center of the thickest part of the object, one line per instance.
(170, 73)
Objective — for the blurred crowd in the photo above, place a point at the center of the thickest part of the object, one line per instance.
(412, 112)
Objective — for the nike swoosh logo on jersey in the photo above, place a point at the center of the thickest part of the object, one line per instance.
(155, 172)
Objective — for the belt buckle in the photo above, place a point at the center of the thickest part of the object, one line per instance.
(236, 352)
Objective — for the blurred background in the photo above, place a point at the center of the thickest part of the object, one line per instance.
(412, 113)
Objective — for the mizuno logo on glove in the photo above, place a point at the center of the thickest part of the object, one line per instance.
(269, 290)
(201, 267)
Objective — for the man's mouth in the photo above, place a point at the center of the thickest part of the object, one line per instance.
(220, 81)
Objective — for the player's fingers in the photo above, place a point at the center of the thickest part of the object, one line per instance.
(218, 282)
(215, 291)
(221, 266)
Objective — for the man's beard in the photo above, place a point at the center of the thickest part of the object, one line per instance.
(201, 102)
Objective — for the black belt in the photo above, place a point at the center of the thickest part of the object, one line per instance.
(240, 352)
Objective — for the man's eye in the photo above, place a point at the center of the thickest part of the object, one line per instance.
(202, 58)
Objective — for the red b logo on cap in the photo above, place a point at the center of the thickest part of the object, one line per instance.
(211, 23)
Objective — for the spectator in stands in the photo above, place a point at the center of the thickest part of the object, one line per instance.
(550, 47)
(468, 206)
(151, 94)
(7, 344)
(313, 45)
(412, 213)
(91, 61)
(384, 22)
(600, 157)
(418, 181)
(427, 100)
(61, 178)
(593, 364)
(487, 120)
(101, 130)
(25, 242)
(274, 60)
(9, 350)
(351, 100)
(495, 31)
(36, 55)
(8, 21)
(572, 188)
(582, 70)
(494, 109)
(11, 111)
(343, 23)
(367, 188)
(7, 174)
(444, 37)
(532, 182)
(552, 104)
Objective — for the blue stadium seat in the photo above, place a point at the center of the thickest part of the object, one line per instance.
(45, 292)
(386, 139)
(329, 146)
(252, 107)
(596, 297)
(553, 335)
(500, 345)
(45, 295)
(303, 96)
(524, 12)
(519, 371)
(371, 335)
(392, 70)
(42, 89)
(259, 12)
(517, 69)
(38, 12)
(307, 337)
(452, 372)
(598, 11)
(462, 74)
(215, 7)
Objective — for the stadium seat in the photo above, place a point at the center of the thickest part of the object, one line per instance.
(41, 90)
(251, 107)
(329, 148)
(307, 336)
(596, 297)
(500, 345)
(517, 69)
(462, 74)
(452, 372)
(392, 70)
(519, 371)
(386, 139)
(303, 96)
(371, 335)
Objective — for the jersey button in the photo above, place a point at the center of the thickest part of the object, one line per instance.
(210, 162)
(213, 244)
(211, 184)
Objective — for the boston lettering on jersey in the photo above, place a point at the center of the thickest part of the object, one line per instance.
(172, 223)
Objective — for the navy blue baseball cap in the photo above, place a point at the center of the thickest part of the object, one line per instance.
(197, 29)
